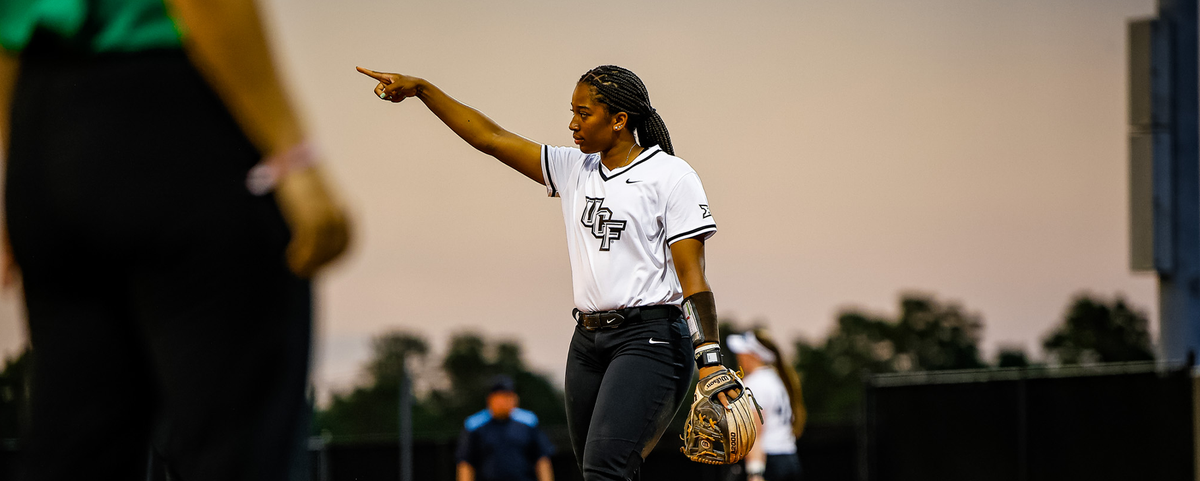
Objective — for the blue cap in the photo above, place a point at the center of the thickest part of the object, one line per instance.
(502, 383)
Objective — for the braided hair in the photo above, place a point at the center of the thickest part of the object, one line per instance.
(620, 90)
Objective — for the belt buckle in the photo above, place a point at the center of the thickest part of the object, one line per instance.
(599, 320)
(609, 319)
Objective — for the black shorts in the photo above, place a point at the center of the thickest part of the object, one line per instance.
(159, 303)
(623, 387)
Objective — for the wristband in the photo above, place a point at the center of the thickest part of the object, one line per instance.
(707, 355)
(700, 312)
(264, 176)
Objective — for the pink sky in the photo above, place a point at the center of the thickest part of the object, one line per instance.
(851, 151)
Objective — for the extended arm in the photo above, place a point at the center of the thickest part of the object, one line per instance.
(471, 125)
(225, 40)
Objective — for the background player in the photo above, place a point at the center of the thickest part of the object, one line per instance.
(637, 218)
(776, 387)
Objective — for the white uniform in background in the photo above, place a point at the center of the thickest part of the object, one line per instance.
(776, 436)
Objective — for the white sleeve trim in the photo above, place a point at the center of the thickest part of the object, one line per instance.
(706, 231)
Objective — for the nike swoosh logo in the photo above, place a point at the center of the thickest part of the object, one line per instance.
(631, 181)
(652, 341)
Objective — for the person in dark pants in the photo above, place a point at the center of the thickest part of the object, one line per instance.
(166, 287)
(637, 219)
(503, 442)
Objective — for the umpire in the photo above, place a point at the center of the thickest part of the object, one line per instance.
(502, 442)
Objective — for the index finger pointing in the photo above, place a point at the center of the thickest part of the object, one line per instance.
(373, 74)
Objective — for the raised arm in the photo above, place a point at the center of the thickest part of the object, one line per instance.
(470, 124)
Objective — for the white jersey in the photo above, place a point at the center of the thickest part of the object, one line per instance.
(620, 224)
(776, 436)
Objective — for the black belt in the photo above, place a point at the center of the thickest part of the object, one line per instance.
(629, 315)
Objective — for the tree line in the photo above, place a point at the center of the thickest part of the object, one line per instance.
(930, 335)
(447, 391)
(925, 335)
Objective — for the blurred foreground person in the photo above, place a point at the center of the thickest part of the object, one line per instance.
(776, 387)
(502, 442)
(165, 211)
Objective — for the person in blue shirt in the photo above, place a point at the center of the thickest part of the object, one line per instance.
(503, 442)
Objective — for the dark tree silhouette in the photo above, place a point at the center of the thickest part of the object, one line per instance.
(468, 365)
(937, 337)
(372, 408)
(1012, 357)
(927, 335)
(1095, 331)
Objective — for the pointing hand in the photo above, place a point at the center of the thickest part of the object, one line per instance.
(393, 87)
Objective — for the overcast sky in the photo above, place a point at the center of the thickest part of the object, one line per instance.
(851, 151)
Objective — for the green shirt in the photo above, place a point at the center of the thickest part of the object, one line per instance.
(94, 25)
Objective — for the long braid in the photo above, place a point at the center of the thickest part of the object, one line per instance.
(622, 91)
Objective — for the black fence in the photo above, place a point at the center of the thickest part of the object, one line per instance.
(828, 452)
(1108, 422)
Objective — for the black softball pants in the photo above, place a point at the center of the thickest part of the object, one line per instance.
(783, 467)
(160, 308)
(623, 387)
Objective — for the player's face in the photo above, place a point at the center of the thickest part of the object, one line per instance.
(747, 361)
(591, 124)
(501, 403)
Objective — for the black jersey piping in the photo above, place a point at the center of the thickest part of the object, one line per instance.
(549, 176)
(691, 233)
(627, 169)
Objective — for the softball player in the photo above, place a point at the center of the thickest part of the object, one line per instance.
(776, 387)
(637, 218)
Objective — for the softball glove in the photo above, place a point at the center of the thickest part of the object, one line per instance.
(715, 434)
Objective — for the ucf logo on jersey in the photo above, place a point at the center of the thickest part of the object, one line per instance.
(599, 219)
